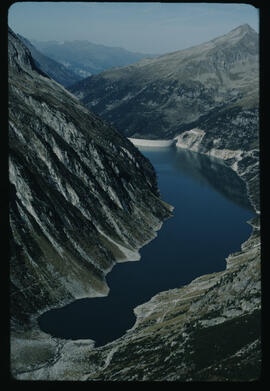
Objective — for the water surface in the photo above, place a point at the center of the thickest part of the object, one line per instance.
(209, 223)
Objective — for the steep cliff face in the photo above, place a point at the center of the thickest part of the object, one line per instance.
(160, 98)
(82, 197)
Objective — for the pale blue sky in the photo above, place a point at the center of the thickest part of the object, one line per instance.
(142, 27)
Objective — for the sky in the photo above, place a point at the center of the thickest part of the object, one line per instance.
(146, 27)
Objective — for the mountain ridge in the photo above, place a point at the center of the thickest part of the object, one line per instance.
(158, 98)
(85, 58)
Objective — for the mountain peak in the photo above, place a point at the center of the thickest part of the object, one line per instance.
(244, 28)
(236, 34)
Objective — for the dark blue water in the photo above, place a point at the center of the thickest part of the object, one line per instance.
(209, 223)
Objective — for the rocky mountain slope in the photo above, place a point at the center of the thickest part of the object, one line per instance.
(86, 58)
(82, 197)
(162, 97)
(52, 68)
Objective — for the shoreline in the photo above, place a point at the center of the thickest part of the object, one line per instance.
(191, 140)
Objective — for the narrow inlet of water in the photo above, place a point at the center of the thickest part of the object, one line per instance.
(211, 210)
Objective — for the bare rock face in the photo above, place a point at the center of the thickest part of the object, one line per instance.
(162, 97)
(82, 196)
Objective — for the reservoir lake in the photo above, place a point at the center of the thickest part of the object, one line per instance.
(209, 222)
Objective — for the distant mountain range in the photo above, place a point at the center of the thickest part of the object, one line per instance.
(85, 58)
(52, 68)
(162, 97)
